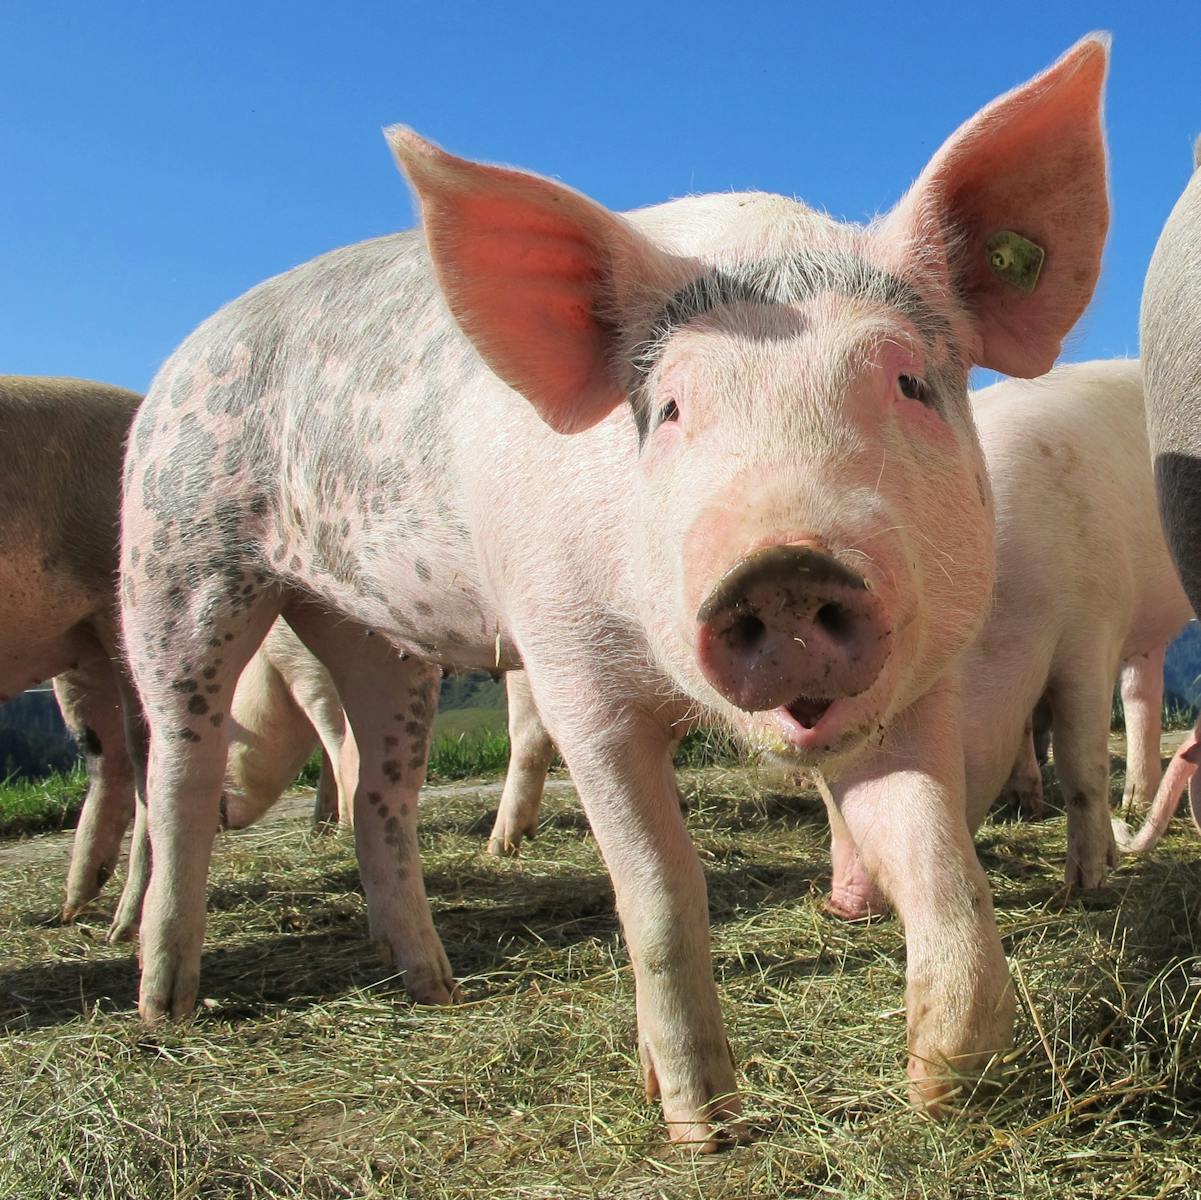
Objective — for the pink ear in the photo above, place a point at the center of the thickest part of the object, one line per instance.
(1031, 164)
(529, 269)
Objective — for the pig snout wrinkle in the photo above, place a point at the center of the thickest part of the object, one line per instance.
(791, 624)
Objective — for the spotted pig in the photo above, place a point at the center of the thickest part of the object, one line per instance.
(712, 459)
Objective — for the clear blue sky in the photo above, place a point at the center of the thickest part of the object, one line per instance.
(158, 159)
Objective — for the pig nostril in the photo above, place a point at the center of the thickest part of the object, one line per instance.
(836, 620)
(746, 632)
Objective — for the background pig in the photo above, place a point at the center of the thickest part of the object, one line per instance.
(1141, 685)
(677, 463)
(1170, 329)
(1084, 582)
(59, 496)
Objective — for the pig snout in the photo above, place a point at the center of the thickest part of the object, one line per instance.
(789, 625)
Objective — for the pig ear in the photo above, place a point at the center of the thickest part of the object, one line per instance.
(1016, 199)
(531, 271)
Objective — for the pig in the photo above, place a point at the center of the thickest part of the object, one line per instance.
(1084, 584)
(681, 463)
(1170, 332)
(59, 496)
(1140, 684)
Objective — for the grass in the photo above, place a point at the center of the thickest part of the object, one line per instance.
(305, 1074)
(41, 805)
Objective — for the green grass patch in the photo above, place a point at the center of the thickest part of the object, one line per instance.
(456, 722)
(42, 805)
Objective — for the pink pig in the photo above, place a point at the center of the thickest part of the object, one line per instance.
(712, 459)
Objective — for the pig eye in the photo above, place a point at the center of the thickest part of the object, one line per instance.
(669, 412)
(913, 388)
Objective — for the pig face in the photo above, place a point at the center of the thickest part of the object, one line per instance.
(811, 542)
(808, 471)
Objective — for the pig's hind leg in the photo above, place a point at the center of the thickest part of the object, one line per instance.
(186, 655)
(1081, 701)
(390, 702)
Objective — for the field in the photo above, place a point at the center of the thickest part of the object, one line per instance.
(306, 1074)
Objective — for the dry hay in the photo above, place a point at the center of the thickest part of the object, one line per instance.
(307, 1075)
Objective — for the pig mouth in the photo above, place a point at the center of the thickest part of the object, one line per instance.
(807, 711)
(812, 724)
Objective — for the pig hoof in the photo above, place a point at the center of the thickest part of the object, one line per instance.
(851, 906)
(121, 930)
(933, 1094)
(431, 982)
(168, 999)
(716, 1126)
(505, 847)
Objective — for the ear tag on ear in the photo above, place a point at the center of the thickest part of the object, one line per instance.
(1015, 259)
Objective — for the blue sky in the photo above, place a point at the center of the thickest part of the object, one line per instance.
(158, 159)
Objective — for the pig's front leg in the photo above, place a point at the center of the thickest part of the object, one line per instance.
(620, 760)
(904, 808)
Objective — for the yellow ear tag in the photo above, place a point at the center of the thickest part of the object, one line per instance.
(1015, 259)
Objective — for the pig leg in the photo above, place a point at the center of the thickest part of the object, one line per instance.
(904, 807)
(271, 737)
(620, 760)
(1023, 791)
(335, 789)
(186, 667)
(390, 702)
(1142, 702)
(530, 752)
(325, 805)
(137, 872)
(90, 700)
(1080, 707)
(854, 895)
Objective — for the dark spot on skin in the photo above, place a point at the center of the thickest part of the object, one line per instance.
(422, 569)
(392, 825)
(186, 735)
(403, 810)
(91, 743)
(424, 609)
(216, 719)
(212, 689)
(374, 797)
(398, 716)
(382, 810)
(1079, 800)
(391, 770)
(414, 728)
(416, 763)
(229, 637)
(198, 705)
(184, 685)
(390, 742)
(210, 672)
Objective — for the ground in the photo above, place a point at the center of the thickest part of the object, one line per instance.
(306, 1074)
